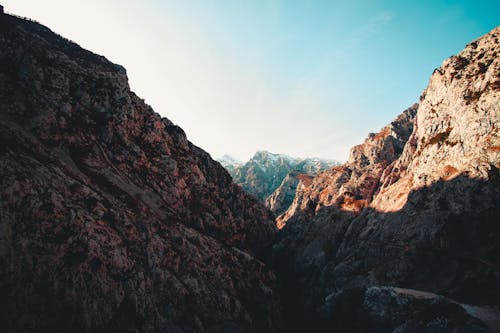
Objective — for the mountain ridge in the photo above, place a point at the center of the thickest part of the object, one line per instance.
(273, 178)
(111, 219)
(417, 209)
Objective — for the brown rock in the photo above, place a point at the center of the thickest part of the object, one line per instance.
(111, 220)
(416, 206)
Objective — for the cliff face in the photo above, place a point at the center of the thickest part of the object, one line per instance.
(279, 201)
(110, 218)
(351, 186)
(417, 205)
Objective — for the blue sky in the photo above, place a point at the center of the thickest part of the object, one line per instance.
(304, 78)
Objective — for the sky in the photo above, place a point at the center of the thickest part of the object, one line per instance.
(304, 78)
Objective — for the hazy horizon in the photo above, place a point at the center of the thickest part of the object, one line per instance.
(305, 79)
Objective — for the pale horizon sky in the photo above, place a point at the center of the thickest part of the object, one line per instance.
(302, 78)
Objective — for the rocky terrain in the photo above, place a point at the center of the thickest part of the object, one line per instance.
(417, 205)
(389, 309)
(111, 220)
(273, 178)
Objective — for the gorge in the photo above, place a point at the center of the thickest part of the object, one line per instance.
(111, 220)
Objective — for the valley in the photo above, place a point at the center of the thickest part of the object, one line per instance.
(112, 220)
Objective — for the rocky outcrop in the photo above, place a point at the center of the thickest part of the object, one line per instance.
(353, 185)
(387, 309)
(417, 205)
(111, 220)
(281, 199)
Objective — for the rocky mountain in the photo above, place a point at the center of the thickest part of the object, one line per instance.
(273, 178)
(352, 185)
(263, 173)
(230, 163)
(281, 199)
(417, 206)
(111, 220)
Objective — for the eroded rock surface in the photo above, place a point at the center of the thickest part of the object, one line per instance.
(281, 199)
(417, 205)
(111, 220)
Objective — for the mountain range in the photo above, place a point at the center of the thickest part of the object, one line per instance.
(112, 221)
(273, 178)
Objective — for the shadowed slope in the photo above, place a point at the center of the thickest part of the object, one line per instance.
(110, 218)
(416, 205)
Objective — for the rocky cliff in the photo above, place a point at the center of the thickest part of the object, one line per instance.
(281, 199)
(111, 220)
(417, 205)
(351, 186)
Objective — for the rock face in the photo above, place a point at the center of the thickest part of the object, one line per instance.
(111, 220)
(387, 309)
(417, 205)
(352, 186)
(273, 178)
(281, 199)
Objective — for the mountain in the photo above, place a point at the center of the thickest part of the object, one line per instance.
(281, 199)
(111, 220)
(266, 173)
(229, 163)
(416, 206)
(352, 186)
(263, 173)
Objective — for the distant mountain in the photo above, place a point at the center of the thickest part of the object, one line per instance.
(230, 163)
(266, 173)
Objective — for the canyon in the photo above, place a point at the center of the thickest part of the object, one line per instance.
(111, 220)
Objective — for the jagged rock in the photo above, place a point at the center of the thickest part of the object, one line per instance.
(352, 186)
(417, 205)
(279, 201)
(111, 220)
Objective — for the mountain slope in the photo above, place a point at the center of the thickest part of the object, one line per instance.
(111, 220)
(417, 205)
(229, 163)
(263, 173)
(273, 178)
